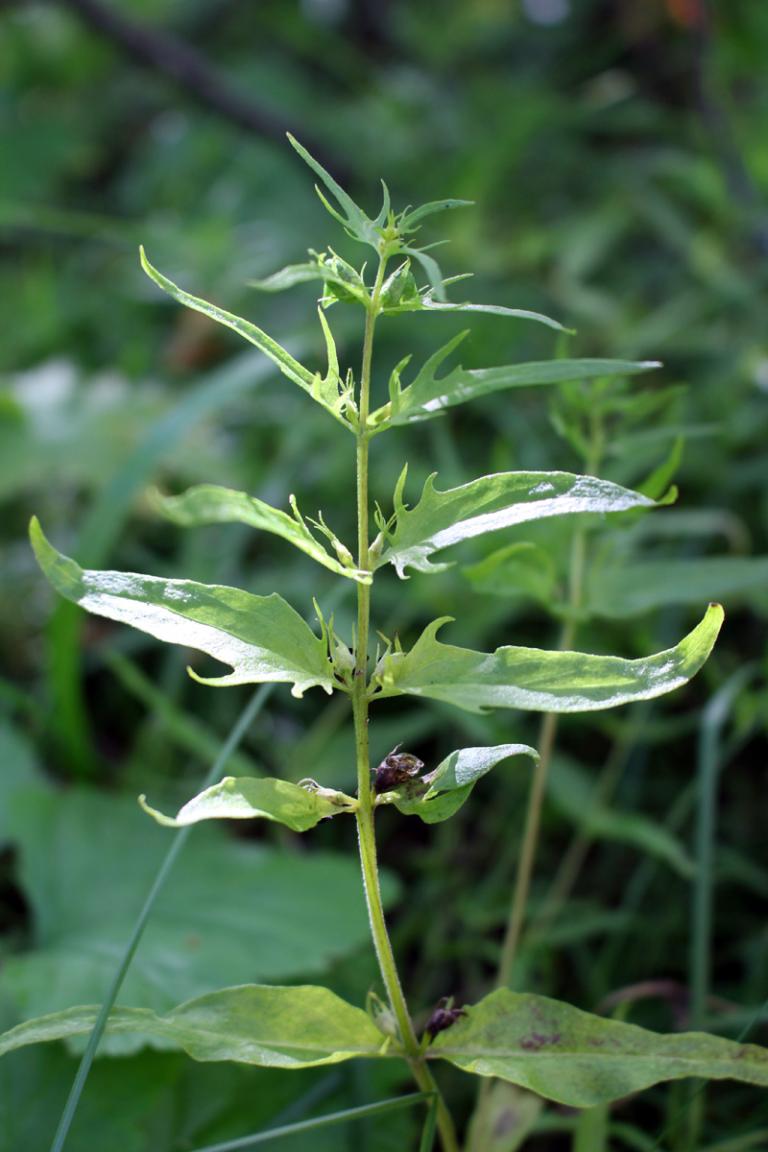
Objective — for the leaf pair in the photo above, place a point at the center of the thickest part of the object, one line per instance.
(557, 1051)
(263, 639)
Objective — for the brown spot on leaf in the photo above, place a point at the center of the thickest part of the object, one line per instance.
(538, 1040)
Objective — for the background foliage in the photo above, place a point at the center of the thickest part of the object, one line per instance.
(618, 159)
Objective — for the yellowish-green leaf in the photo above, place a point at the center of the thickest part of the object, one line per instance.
(272, 1027)
(248, 798)
(540, 681)
(209, 504)
(581, 1060)
(261, 637)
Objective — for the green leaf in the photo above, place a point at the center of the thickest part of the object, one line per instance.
(288, 277)
(243, 798)
(522, 569)
(437, 795)
(327, 391)
(427, 396)
(409, 219)
(209, 504)
(427, 303)
(580, 1060)
(232, 912)
(261, 637)
(352, 218)
(540, 681)
(343, 282)
(627, 589)
(488, 504)
(574, 793)
(272, 1027)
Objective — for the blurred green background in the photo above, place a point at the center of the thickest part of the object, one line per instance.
(618, 157)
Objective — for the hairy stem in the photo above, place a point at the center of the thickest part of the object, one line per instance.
(365, 812)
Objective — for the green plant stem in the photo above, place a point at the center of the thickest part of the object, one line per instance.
(365, 810)
(546, 744)
(549, 725)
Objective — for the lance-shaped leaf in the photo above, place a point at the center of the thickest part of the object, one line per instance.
(437, 795)
(261, 637)
(247, 798)
(351, 217)
(635, 585)
(426, 302)
(488, 504)
(273, 1027)
(408, 220)
(427, 396)
(539, 681)
(327, 390)
(582, 1060)
(342, 281)
(209, 504)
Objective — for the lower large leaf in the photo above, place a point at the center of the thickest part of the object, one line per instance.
(539, 681)
(581, 1060)
(253, 1024)
(261, 637)
(231, 912)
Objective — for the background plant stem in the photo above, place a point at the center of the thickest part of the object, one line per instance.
(365, 812)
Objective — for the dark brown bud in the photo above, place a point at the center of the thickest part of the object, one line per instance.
(443, 1017)
(396, 769)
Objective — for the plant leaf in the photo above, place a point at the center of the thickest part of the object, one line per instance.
(210, 504)
(353, 219)
(427, 303)
(627, 589)
(540, 681)
(326, 391)
(488, 504)
(427, 396)
(436, 796)
(520, 569)
(72, 848)
(408, 220)
(581, 1060)
(573, 792)
(261, 637)
(288, 277)
(243, 798)
(272, 1027)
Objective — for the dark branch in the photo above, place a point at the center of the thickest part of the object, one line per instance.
(189, 70)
